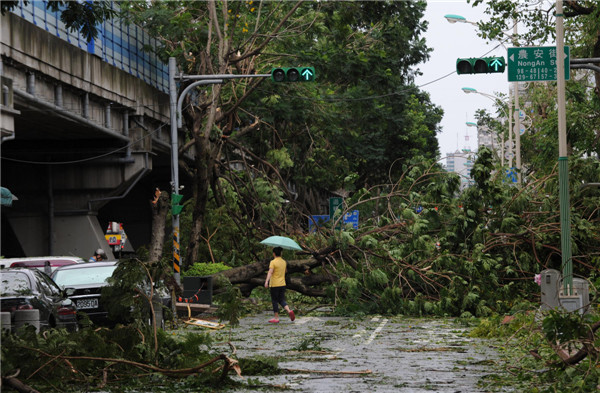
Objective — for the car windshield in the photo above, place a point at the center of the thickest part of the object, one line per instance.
(83, 276)
(14, 284)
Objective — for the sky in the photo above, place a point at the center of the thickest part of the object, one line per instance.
(449, 42)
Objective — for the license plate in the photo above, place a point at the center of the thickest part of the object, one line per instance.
(83, 304)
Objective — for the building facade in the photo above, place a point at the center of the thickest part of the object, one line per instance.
(461, 163)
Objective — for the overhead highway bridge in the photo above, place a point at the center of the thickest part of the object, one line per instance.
(85, 133)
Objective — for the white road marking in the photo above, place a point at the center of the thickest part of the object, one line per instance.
(374, 334)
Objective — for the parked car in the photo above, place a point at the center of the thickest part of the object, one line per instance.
(46, 264)
(83, 284)
(31, 289)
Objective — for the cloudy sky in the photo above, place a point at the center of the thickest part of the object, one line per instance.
(449, 42)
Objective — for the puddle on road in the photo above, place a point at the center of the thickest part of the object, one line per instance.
(334, 354)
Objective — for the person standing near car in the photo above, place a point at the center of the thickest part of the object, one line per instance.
(276, 282)
(99, 255)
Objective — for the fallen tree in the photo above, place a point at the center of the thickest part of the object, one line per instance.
(308, 283)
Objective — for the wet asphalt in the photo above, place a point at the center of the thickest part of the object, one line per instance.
(371, 354)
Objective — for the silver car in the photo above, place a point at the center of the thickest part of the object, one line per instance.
(83, 283)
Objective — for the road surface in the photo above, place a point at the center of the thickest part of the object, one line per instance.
(371, 354)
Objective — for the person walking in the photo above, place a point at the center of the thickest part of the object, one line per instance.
(276, 282)
(98, 256)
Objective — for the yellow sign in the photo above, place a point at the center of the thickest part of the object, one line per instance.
(113, 239)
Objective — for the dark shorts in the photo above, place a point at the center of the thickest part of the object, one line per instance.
(278, 297)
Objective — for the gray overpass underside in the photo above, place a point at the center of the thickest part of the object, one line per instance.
(89, 146)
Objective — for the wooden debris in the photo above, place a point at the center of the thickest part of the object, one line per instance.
(297, 370)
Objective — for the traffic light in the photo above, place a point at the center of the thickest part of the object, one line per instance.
(176, 208)
(480, 65)
(293, 74)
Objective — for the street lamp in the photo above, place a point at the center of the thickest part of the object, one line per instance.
(470, 90)
(457, 18)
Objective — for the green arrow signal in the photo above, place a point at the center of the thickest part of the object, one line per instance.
(307, 74)
(496, 63)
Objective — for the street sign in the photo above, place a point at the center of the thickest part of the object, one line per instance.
(535, 63)
(511, 175)
(351, 218)
(335, 203)
(317, 221)
(520, 115)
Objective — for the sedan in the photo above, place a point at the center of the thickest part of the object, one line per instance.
(31, 289)
(83, 282)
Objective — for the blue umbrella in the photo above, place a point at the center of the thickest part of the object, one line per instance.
(281, 241)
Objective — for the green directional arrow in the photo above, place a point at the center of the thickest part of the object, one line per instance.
(496, 63)
(307, 74)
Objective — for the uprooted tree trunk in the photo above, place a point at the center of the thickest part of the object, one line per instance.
(251, 276)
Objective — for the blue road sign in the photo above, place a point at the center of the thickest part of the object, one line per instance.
(319, 220)
(316, 221)
(511, 175)
(351, 218)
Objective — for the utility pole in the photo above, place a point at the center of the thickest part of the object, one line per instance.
(563, 159)
(516, 115)
(174, 166)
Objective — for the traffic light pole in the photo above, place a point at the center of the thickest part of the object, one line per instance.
(175, 103)
(174, 165)
(563, 160)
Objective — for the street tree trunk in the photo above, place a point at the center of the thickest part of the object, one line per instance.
(160, 208)
(205, 116)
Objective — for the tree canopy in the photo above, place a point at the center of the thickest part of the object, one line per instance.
(354, 126)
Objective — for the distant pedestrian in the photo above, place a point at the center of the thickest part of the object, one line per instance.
(99, 255)
(276, 281)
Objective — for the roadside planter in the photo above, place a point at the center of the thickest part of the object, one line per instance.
(27, 317)
(5, 323)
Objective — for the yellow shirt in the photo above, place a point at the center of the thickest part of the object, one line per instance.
(278, 277)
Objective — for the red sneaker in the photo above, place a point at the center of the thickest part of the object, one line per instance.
(292, 315)
(273, 320)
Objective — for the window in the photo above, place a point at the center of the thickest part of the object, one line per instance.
(15, 284)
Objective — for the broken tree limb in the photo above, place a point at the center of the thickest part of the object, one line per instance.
(183, 372)
(298, 370)
(567, 359)
(16, 384)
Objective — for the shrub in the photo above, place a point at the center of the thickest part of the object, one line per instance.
(205, 269)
